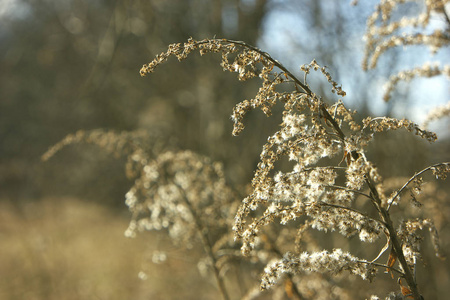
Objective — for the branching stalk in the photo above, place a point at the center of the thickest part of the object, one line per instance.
(395, 241)
(411, 179)
(384, 213)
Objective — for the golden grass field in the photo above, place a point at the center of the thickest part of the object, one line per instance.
(70, 249)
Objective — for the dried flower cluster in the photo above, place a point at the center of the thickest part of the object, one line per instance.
(177, 191)
(437, 113)
(381, 37)
(170, 192)
(321, 262)
(385, 32)
(425, 71)
(385, 124)
(319, 197)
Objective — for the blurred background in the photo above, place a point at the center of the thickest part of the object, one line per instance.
(67, 65)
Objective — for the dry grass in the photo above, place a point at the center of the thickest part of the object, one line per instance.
(69, 249)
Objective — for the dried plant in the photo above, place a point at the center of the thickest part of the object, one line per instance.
(385, 32)
(437, 113)
(177, 191)
(314, 175)
(317, 190)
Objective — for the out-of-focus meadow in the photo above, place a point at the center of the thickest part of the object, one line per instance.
(71, 65)
(64, 248)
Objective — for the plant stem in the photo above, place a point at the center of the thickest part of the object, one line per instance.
(395, 241)
(304, 87)
(411, 179)
(203, 232)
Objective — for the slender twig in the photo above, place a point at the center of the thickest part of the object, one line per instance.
(445, 13)
(304, 87)
(382, 266)
(391, 201)
(395, 241)
(203, 232)
(352, 210)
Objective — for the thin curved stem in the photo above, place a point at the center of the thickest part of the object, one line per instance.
(352, 210)
(203, 232)
(395, 240)
(382, 266)
(304, 87)
(411, 179)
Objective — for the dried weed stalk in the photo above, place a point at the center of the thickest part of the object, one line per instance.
(318, 191)
(326, 187)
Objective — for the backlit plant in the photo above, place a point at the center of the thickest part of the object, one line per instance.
(313, 174)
